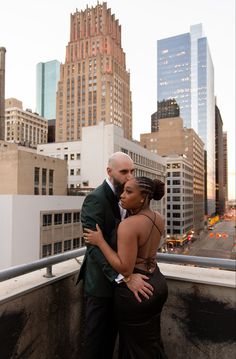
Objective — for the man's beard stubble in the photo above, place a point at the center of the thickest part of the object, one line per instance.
(119, 188)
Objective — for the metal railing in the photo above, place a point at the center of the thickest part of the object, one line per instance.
(48, 262)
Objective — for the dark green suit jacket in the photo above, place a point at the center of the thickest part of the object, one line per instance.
(101, 207)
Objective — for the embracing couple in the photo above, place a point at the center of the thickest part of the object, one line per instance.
(123, 286)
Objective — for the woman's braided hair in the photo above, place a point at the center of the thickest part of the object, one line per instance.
(155, 189)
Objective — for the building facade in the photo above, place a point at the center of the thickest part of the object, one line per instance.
(225, 176)
(87, 164)
(220, 192)
(165, 109)
(94, 83)
(173, 139)
(179, 196)
(24, 127)
(23, 171)
(47, 77)
(185, 72)
(33, 227)
(2, 92)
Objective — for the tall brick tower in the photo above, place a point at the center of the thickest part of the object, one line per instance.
(2, 93)
(94, 84)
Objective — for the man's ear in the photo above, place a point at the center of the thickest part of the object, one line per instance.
(109, 171)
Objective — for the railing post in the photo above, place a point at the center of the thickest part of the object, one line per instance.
(49, 272)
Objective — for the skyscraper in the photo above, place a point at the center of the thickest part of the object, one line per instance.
(185, 72)
(94, 83)
(165, 109)
(225, 169)
(220, 193)
(47, 77)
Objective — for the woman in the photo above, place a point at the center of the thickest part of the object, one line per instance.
(138, 238)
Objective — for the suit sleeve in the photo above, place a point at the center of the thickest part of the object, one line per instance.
(92, 214)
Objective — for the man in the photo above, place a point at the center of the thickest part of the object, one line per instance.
(101, 207)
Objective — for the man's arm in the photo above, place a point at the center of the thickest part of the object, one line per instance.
(92, 213)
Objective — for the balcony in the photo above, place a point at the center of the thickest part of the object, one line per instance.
(41, 311)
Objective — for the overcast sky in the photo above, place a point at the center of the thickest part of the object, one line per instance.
(38, 30)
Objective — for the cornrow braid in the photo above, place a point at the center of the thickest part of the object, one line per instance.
(155, 189)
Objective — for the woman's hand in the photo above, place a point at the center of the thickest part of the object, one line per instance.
(93, 237)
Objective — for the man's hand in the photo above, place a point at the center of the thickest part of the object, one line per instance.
(138, 285)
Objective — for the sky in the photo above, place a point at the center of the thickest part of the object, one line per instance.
(38, 31)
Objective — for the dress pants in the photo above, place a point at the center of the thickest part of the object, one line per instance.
(100, 328)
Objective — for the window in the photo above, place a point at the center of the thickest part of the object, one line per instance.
(72, 156)
(36, 190)
(36, 176)
(176, 165)
(47, 220)
(78, 156)
(72, 171)
(67, 245)
(176, 182)
(76, 243)
(44, 177)
(51, 178)
(176, 206)
(176, 190)
(76, 217)
(176, 174)
(47, 250)
(57, 247)
(50, 191)
(67, 218)
(57, 218)
(66, 157)
(44, 191)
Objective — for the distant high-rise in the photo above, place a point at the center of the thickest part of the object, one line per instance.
(24, 127)
(220, 195)
(2, 92)
(165, 109)
(172, 139)
(225, 182)
(94, 84)
(48, 74)
(185, 72)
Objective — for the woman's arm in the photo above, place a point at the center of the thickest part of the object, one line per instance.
(124, 260)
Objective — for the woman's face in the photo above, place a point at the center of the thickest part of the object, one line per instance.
(131, 198)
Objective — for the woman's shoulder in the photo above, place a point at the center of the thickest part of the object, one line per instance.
(129, 222)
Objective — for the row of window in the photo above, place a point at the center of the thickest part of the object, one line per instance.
(59, 247)
(178, 206)
(179, 223)
(60, 218)
(73, 156)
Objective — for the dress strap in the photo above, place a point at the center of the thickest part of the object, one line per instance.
(153, 221)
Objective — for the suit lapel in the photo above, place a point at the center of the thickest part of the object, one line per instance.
(112, 200)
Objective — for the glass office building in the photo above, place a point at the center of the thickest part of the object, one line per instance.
(185, 72)
(47, 77)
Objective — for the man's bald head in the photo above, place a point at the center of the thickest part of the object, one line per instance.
(118, 157)
(120, 168)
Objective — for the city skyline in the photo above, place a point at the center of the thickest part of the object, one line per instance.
(45, 40)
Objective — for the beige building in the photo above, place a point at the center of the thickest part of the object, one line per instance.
(179, 196)
(24, 127)
(23, 171)
(173, 139)
(94, 83)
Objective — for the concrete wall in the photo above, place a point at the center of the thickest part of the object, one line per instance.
(42, 318)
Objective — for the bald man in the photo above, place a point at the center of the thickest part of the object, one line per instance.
(101, 206)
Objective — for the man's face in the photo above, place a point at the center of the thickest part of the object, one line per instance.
(121, 171)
